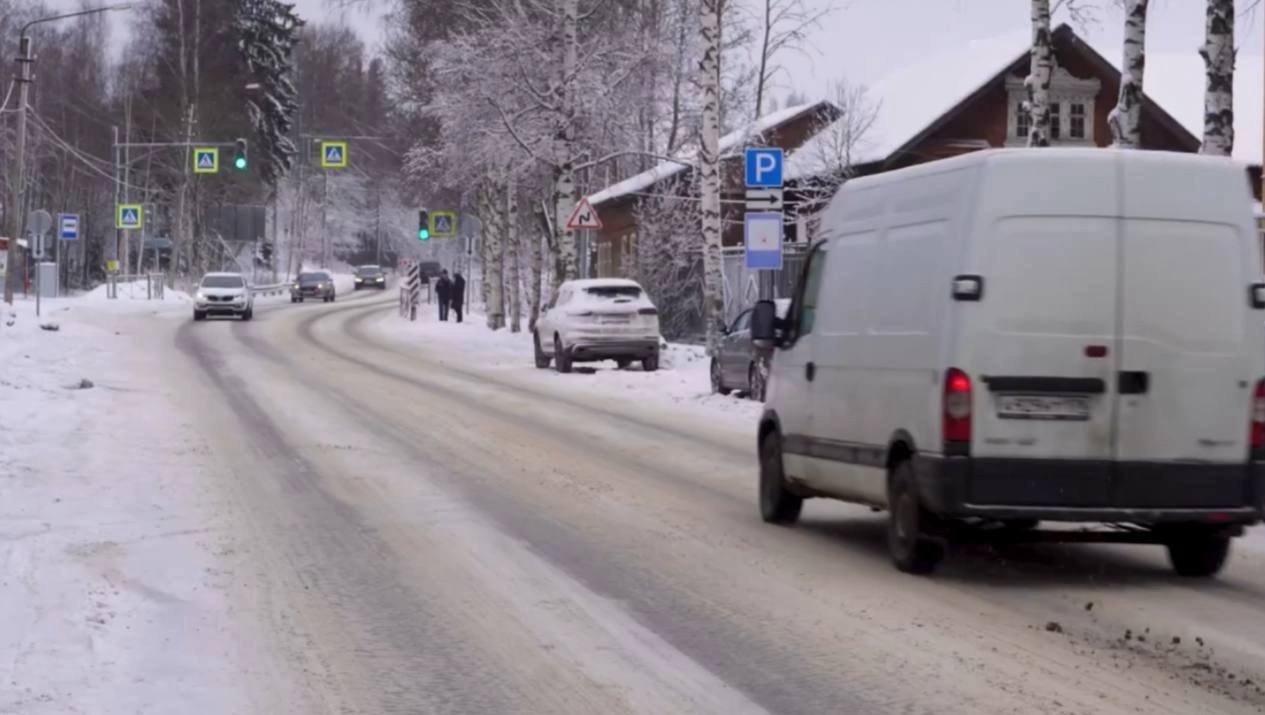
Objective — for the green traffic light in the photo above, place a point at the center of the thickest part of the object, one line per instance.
(423, 234)
(240, 163)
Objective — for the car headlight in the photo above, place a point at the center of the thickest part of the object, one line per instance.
(200, 295)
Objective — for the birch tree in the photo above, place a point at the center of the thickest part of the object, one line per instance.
(1126, 118)
(492, 215)
(1041, 68)
(709, 173)
(511, 255)
(1218, 53)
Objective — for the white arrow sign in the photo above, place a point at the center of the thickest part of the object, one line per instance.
(764, 199)
(584, 216)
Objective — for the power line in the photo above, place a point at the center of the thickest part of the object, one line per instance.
(85, 159)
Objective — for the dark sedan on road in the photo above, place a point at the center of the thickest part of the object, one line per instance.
(371, 277)
(317, 284)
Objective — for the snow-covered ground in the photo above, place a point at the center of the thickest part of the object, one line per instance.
(109, 534)
(681, 384)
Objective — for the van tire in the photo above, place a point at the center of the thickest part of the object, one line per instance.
(911, 530)
(651, 362)
(1198, 554)
(777, 504)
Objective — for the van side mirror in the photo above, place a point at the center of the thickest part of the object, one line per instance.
(764, 324)
(1257, 296)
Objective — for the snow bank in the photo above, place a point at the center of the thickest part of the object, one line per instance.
(107, 563)
(681, 384)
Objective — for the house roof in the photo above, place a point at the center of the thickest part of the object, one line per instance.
(915, 98)
(728, 144)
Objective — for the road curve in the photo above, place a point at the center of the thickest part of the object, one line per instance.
(428, 537)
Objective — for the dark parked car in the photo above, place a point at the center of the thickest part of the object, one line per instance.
(371, 277)
(740, 365)
(314, 285)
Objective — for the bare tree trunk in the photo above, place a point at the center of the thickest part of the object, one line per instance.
(1218, 54)
(495, 254)
(564, 192)
(678, 73)
(511, 255)
(537, 268)
(762, 78)
(709, 173)
(1126, 118)
(1038, 80)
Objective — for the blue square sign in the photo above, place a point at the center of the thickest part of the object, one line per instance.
(68, 227)
(764, 167)
(763, 241)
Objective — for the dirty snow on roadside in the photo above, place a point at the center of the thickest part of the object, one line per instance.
(681, 384)
(109, 542)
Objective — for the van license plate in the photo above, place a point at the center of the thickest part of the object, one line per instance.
(1043, 407)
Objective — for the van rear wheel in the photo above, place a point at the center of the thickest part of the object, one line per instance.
(911, 530)
(1196, 553)
(777, 504)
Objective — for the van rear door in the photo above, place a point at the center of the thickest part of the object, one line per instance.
(1039, 346)
(1187, 349)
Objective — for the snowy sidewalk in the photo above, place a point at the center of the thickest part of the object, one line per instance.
(682, 383)
(111, 541)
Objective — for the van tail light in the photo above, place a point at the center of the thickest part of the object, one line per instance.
(1258, 416)
(957, 412)
(648, 311)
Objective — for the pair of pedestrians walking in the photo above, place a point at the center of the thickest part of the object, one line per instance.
(451, 293)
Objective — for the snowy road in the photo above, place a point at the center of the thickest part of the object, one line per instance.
(404, 532)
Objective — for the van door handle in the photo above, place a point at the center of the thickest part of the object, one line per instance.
(810, 371)
(1133, 382)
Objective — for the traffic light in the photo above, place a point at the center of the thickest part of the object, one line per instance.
(239, 155)
(423, 225)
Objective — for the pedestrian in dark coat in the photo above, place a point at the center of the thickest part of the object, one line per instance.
(458, 293)
(443, 292)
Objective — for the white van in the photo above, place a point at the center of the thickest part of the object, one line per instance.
(1013, 336)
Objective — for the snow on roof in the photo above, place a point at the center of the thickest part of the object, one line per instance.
(728, 144)
(913, 97)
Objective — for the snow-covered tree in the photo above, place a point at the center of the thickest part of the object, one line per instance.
(1126, 118)
(832, 151)
(1218, 54)
(268, 31)
(1039, 74)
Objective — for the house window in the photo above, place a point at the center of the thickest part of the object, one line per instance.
(1056, 124)
(1023, 123)
(1076, 123)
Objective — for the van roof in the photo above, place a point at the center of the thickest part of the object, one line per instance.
(603, 283)
(1037, 157)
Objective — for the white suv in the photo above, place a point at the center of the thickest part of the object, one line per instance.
(598, 319)
(223, 294)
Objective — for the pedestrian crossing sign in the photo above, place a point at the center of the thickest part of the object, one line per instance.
(129, 216)
(206, 160)
(333, 155)
(443, 224)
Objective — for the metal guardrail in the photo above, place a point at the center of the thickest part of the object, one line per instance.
(271, 289)
(154, 284)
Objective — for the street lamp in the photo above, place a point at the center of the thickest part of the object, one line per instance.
(25, 61)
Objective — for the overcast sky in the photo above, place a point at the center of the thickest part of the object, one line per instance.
(865, 39)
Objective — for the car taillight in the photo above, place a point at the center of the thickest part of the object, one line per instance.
(957, 410)
(1258, 416)
(647, 311)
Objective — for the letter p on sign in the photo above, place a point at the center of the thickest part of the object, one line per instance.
(763, 168)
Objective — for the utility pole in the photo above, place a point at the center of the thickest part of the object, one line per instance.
(26, 60)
